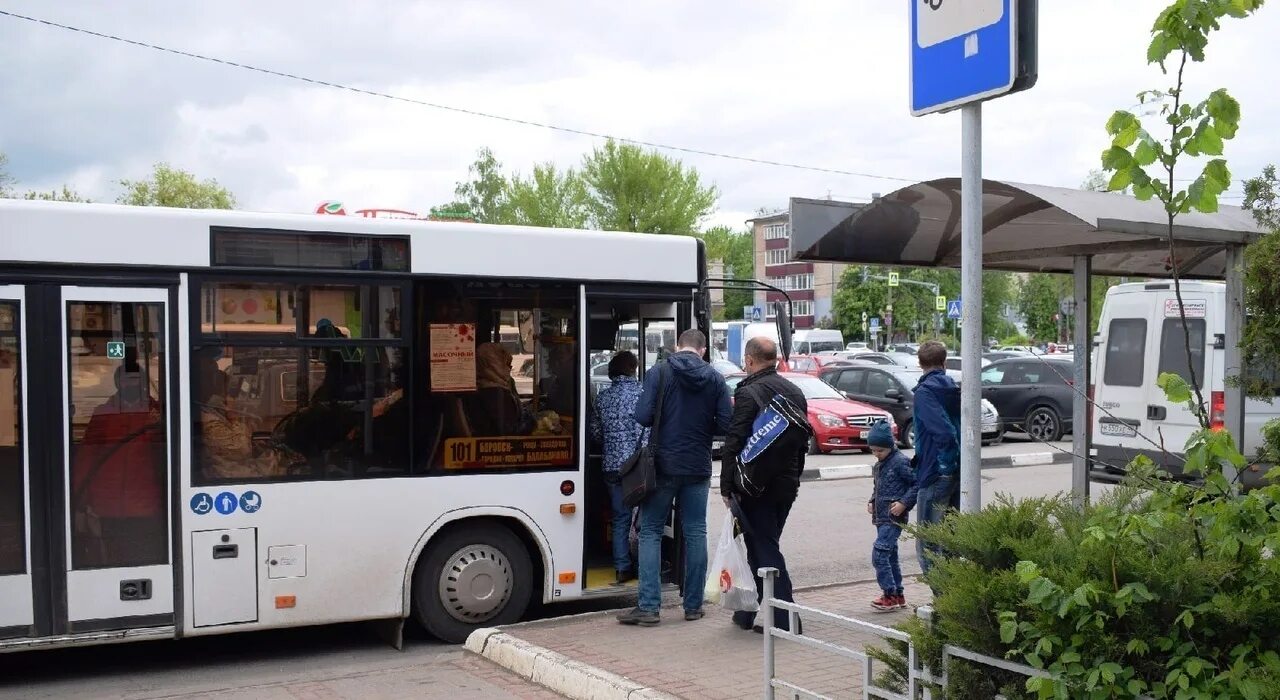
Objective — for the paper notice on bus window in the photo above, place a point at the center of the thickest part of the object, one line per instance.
(453, 357)
(1195, 308)
(508, 452)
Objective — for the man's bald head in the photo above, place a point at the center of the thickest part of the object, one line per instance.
(763, 350)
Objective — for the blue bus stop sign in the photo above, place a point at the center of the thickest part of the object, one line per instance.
(970, 50)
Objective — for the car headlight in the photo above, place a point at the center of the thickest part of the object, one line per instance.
(829, 420)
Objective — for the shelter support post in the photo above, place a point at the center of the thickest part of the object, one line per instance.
(1081, 426)
(971, 311)
(1235, 366)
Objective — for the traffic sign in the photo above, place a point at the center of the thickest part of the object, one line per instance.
(888, 318)
(115, 350)
(875, 321)
(940, 303)
(970, 50)
(893, 279)
(953, 309)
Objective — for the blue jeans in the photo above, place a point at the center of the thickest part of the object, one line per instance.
(884, 556)
(621, 528)
(932, 504)
(690, 496)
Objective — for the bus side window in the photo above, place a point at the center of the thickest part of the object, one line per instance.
(502, 376)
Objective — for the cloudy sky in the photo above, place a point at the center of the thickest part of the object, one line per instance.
(820, 83)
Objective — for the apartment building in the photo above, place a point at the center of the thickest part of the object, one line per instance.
(812, 286)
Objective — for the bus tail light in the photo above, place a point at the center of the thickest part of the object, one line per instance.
(1217, 411)
(568, 509)
(567, 577)
(286, 601)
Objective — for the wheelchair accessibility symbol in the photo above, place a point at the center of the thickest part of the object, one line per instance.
(201, 503)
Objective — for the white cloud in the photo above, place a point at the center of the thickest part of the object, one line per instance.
(820, 83)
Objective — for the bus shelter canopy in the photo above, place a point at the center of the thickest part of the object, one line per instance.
(1026, 228)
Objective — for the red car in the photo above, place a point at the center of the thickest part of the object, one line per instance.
(811, 365)
(838, 423)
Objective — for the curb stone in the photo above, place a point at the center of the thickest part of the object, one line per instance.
(863, 471)
(556, 671)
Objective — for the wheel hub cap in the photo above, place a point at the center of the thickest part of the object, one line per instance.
(476, 583)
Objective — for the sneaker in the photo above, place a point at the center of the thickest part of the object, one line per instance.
(885, 603)
(693, 615)
(645, 618)
(902, 601)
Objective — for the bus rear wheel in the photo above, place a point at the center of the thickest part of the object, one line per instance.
(472, 577)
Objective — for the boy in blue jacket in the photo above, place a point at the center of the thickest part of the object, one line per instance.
(894, 487)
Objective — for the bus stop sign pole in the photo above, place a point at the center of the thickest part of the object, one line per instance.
(964, 52)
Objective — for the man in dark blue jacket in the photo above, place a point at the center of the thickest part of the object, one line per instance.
(936, 422)
(695, 402)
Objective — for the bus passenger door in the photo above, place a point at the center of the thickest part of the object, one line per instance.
(85, 456)
(16, 603)
(116, 458)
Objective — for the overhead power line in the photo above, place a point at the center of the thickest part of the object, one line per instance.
(464, 110)
(450, 108)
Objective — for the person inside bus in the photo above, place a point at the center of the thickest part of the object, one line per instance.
(118, 479)
(226, 437)
(495, 408)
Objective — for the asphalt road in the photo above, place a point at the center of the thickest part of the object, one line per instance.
(827, 540)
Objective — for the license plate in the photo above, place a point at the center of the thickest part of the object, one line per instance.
(863, 434)
(1117, 429)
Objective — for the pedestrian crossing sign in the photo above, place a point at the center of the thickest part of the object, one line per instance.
(893, 279)
(115, 350)
(940, 303)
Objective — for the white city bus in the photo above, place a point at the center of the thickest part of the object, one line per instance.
(216, 421)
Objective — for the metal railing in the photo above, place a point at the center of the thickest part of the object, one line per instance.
(920, 679)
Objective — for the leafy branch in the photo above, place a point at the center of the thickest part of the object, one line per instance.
(1181, 32)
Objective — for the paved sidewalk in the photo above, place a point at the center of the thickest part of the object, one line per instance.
(711, 658)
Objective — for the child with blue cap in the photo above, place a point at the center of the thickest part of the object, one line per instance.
(894, 483)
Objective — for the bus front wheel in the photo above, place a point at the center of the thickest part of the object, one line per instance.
(472, 577)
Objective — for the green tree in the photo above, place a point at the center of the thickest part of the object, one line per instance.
(173, 187)
(1095, 181)
(1261, 342)
(1180, 35)
(914, 306)
(633, 189)
(484, 194)
(66, 194)
(548, 197)
(6, 180)
(1038, 301)
(1262, 198)
(735, 250)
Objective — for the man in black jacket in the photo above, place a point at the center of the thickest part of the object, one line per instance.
(763, 517)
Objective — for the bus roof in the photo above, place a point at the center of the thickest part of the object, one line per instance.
(111, 234)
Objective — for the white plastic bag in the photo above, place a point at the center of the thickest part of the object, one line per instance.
(729, 579)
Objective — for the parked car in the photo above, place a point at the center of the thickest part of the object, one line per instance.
(838, 422)
(1032, 394)
(809, 364)
(886, 358)
(856, 346)
(908, 348)
(891, 388)
(1003, 355)
(953, 367)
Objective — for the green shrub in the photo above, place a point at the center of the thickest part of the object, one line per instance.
(1158, 588)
